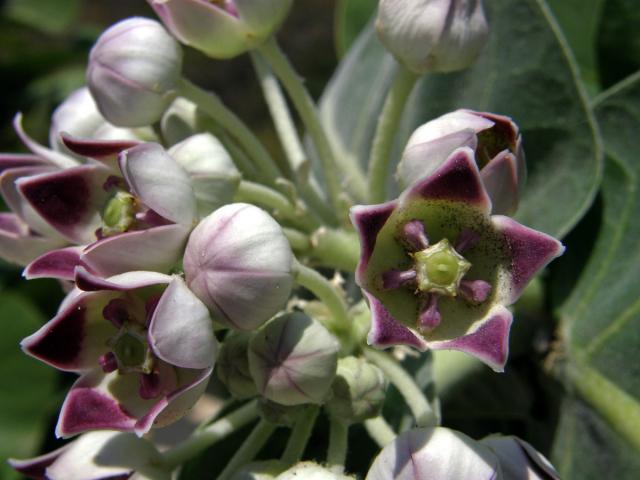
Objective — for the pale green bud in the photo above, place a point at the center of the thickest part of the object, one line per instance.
(233, 365)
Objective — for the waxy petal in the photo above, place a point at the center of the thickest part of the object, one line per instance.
(369, 220)
(159, 182)
(386, 331)
(59, 263)
(99, 149)
(51, 156)
(69, 200)
(489, 341)
(76, 337)
(19, 160)
(181, 330)
(90, 282)
(500, 177)
(154, 249)
(456, 180)
(530, 252)
(36, 467)
(518, 459)
(18, 244)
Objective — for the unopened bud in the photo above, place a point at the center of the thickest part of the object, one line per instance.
(233, 365)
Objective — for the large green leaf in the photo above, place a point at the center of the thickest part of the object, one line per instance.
(50, 16)
(28, 395)
(525, 71)
(601, 319)
(350, 18)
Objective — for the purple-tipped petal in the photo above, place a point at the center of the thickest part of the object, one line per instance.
(181, 330)
(386, 331)
(456, 180)
(475, 291)
(59, 263)
(154, 249)
(51, 156)
(159, 182)
(20, 160)
(69, 200)
(500, 177)
(489, 342)
(530, 252)
(369, 220)
(173, 406)
(90, 282)
(414, 236)
(392, 279)
(18, 244)
(430, 316)
(98, 149)
(36, 467)
(91, 405)
(76, 337)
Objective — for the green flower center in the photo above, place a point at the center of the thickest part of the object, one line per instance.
(130, 350)
(439, 268)
(118, 214)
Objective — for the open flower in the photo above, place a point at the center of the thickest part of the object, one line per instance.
(438, 270)
(142, 343)
(97, 456)
(496, 141)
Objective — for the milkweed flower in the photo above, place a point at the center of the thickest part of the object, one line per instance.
(439, 270)
(142, 344)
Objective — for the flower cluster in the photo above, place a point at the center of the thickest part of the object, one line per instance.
(179, 251)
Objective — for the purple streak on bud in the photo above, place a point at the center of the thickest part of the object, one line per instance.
(116, 312)
(475, 291)
(392, 279)
(108, 362)
(150, 386)
(430, 316)
(466, 240)
(414, 235)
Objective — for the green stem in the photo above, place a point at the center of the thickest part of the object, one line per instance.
(249, 449)
(211, 434)
(380, 431)
(415, 398)
(451, 367)
(339, 249)
(309, 115)
(299, 241)
(386, 130)
(330, 294)
(209, 103)
(338, 443)
(300, 436)
(257, 193)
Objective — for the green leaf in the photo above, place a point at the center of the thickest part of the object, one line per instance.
(28, 387)
(619, 42)
(601, 319)
(350, 18)
(49, 16)
(580, 22)
(526, 71)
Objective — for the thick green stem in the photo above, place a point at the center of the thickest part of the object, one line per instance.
(308, 113)
(386, 130)
(339, 249)
(416, 400)
(299, 241)
(300, 436)
(249, 449)
(380, 431)
(209, 103)
(211, 434)
(281, 206)
(338, 444)
(331, 295)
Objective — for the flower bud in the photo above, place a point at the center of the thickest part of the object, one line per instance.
(179, 121)
(222, 28)
(281, 415)
(358, 391)
(214, 177)
(233, 365)
(433, 35)
(497, 145)
(134, 69)
(311, 471)
(238, 262)
(266, 470)
(518, 459)
(293, 360)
